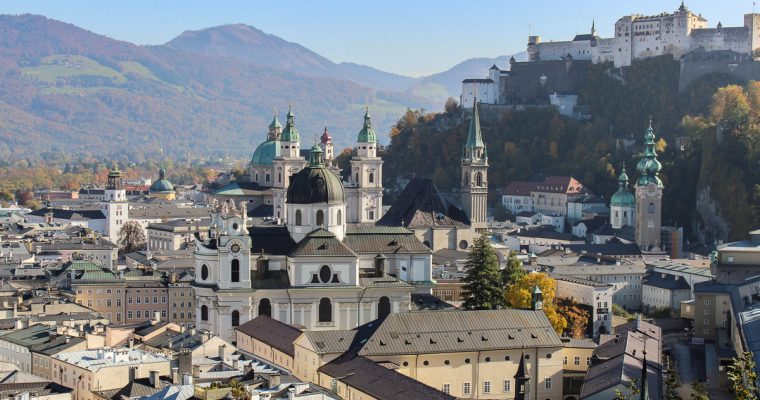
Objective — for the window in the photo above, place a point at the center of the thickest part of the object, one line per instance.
(507, 385)
(446, 388)
(588, 360)
(129, 314)
(339, 219)
(577, 360)
(163, 313)
(299, 218)
(371, 177)
(138, 314)
(325, 310)
(320, 218)
(108, 303)
(707, 321)
(235, 270)
(204, 313)
(118, 302)
(707, 312)
(371, 215)
(129, 300)
(383, 307)
(479, 179)
(466, 388)
(265, 307)
(548, 383)
(651, 208)
(564, 360)
(487, 387)
(155, 299)
(707, 302)
(236, 318)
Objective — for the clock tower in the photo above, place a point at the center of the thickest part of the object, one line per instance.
(475, 174)
(537, 299)
(648, 196)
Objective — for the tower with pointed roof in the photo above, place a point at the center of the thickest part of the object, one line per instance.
(115, 206)
(648, 189)
(287, 163)
(622, 203)
(364, 190)
(275, 129)
(474, 185)
(522, 380)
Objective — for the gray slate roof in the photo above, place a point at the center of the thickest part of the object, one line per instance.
(325, 342)
(322, 243)
(420, 205)
(275, 333)
(456, 331)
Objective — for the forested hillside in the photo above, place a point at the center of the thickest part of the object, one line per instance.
(539, 142)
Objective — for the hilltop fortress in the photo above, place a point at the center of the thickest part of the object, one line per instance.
(638, 36)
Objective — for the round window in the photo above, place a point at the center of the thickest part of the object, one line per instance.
(426, 363)
(447, 362)
(406, 364)
(235, 226)
(466, 360)
(325, 274)
(204, 272)
(463, 244)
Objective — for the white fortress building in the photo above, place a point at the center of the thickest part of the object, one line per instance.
(638, 36)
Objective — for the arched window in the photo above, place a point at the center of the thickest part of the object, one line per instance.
(325, 310)
(236, 318)
(479, 179)
(235, 270)
(371, 177)
(651, 208)
(340, 217)
(383, 307)
(298, 217)
(265, 307)
(204, 313)
(320, 218)
(279, 177)
(357, 178)
(204, 272)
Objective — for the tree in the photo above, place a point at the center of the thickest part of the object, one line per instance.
(699, 391)
(451, 107)
(743, 377)
(131, 237)
(238, 390)
(673, 382)
(519, 296)
(514, 271)
(632, 391)
(577, 318)
(482, 288)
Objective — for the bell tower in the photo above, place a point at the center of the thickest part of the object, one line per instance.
(648, 196)
(365, 182)
(288, 163)
(475, 174)
(537, 299)
(115, 206)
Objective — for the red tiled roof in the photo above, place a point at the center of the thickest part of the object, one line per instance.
(552, 184)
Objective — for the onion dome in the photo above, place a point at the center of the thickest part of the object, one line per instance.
(290, 133)
(162, 185)
(649, 167)
(266, 152)
(316, 183)
(326, 138)
(623, 197)
(114, 173)
(367, 134)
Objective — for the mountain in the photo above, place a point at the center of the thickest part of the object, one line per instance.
(65, 89)
(251, 45)
(448, 83)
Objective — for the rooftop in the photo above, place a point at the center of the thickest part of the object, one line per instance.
(275, 333)
(94, 360)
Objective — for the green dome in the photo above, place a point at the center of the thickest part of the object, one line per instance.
(266, 153)
(162, 185)
(315, 183)
(367, 134)
(623, 197)
(290, 133)
(649, 167)
(114, 173)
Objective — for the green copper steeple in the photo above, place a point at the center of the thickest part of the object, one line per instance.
(367, 134)
(275, 123)
(623, 197)
(315, 156)
(648, 167)
(290, 133)
(474, 147)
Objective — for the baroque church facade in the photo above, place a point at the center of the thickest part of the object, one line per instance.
(321, 263)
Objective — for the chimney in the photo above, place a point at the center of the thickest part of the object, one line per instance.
(131, 343)
(291, 393)
(154, 379)
(380, 265)
(274, 381)
(175, 376)
(222, 351)
(157, 316)
(187, 379)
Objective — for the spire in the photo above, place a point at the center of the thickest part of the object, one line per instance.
(622, 178)
(275, 123)
(644, 380)
(367, 134)
(161, 173)
(474, 137)
(290, 133)
(326, 138)
(649, 167)
(593, 27)
(315, 156)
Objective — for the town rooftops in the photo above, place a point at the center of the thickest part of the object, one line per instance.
(420, 205)
(30, 336)
(551, 184)
(271, 240)
(57, 345)
(321, 243)
(580, 281)
(169, 212)
(275, 333)
(665, 281)
(326, 342)
(456, 331)
(71, 215)
(95, 360)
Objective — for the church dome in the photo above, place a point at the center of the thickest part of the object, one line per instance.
(623, 199)
(367, 134)
(266, 153)
(315, 183)
(162, 185)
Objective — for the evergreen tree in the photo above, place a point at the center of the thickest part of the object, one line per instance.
(514, 270)
(483, 289)
(672, 383)
(699, 391)
(743, 378)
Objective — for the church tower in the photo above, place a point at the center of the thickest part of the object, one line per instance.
(115, 206)
(623, 203)
(365, 182)
(475, 174)
(648, 196)
(286, 164)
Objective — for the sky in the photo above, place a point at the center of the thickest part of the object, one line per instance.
(406, 37)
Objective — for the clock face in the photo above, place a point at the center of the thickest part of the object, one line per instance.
(235, 248)
(539, 304)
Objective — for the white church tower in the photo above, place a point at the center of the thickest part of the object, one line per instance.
(288, 163)
(365, 187)
(115, 206)
(622, 204)
(475, 174)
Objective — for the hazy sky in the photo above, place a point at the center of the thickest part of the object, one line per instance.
(402, 36)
